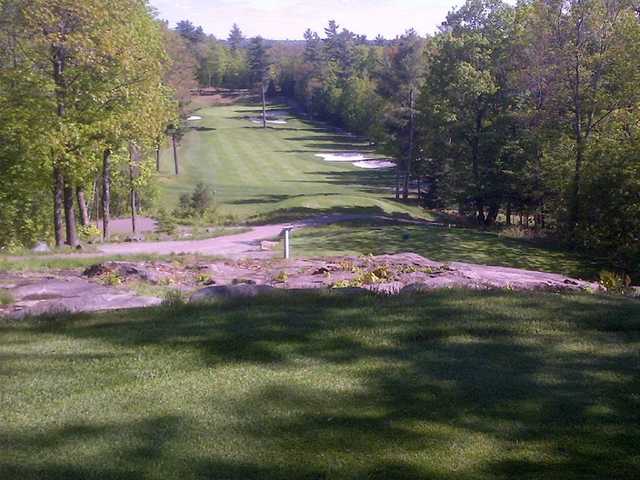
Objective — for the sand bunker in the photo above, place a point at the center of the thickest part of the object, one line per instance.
(343, 157)
(274, 122)
(194, 117)
(357, 159)
(373, 164)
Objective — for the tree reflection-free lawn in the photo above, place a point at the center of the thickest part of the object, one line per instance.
(453, 385)
(441, 244)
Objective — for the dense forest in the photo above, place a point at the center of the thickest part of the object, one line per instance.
(524, 114)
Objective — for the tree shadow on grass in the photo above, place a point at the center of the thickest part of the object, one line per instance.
(454, 385)
(440, 243)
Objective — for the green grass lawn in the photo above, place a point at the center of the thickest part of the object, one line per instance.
(454, 385)
(441, 244)
(257, 172)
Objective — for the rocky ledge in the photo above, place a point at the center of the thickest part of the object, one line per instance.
(109, 285)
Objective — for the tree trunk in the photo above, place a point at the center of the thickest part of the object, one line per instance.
(70, 216)
(58, 205)
(508, 214)
(397, 181)
(82, 206)
(106, 195)
(96, 202)
(475, 160)
(158, 158)
(175, 153)
(59, 56)
(407, 173)
(132, 190)
(574, 212)
(492, 215)
(264, 105)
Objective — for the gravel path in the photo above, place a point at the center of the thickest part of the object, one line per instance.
(247, 243)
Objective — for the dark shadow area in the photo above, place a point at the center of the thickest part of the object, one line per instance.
(203, 129)
(266, 199)
(365, 214)
(438, 241)
(453, 385)
(371, 181)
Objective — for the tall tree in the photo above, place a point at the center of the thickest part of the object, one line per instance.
(260, 67)
(401, 80)
(236, 38)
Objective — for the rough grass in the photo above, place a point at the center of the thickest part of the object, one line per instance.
(441, 244)
(256, 171)
(454, 385)
(5, 297)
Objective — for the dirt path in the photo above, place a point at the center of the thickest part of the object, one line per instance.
(247, 243)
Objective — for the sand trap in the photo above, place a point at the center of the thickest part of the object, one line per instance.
(343, 157)
(373, 164)
(274, 122)
(194, 117)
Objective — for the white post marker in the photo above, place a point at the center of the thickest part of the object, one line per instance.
(287, 242)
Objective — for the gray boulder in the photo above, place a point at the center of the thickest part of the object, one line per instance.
(41, 247)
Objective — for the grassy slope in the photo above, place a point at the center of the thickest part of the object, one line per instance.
(441, 244)
(256, 171)
(455, 386)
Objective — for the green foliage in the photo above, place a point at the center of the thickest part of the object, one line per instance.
(89, 233)
(174, 299)
(614, 282)
(112, 279)
(281, 277)
(166, 222)
(5, 297)
(201, 198)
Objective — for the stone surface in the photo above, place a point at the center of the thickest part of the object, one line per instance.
(230, 279)
(51, 296)
(41, 247)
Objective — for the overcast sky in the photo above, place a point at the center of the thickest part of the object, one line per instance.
(281, 19)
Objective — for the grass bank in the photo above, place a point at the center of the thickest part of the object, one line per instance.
(442, 244)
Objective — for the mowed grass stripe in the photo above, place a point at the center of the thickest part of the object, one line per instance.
(242, 161)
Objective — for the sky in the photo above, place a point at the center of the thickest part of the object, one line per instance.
(288, 19)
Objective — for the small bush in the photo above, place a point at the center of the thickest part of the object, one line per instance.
(202, 278)
(201, 199)
(166, 222)
(5, 297)
(89, 233)
(614, 282)
(112, 279)
(282, 277)
(174, 299)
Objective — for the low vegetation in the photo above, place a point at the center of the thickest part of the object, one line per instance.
(454, 385)
(443, 244)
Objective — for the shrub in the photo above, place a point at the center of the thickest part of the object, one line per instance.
(5, 297)
(166, 222)
(614, 282)
(174, 299)
(89, 233)
(282, 277)
(112, 279)
(201, 199)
